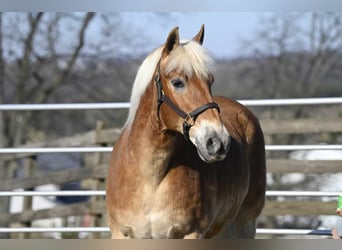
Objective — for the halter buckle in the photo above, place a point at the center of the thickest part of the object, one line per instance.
(189, 119)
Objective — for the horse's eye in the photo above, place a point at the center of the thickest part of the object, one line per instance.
(178, 83)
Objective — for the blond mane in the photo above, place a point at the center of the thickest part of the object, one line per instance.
(188, 58)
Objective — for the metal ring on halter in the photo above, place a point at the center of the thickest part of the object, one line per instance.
(189, 119)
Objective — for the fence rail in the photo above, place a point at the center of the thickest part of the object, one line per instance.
(56, 150)
(54, 229)
(103, 193)
(109, 149)
(125, 105)
(64, 106)
(55, 193)
(325, 232)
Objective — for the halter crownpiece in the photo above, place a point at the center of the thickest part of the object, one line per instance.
(189, 118)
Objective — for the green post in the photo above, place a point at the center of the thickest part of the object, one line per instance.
(339, 202)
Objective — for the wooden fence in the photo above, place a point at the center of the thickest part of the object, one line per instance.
(93, 173)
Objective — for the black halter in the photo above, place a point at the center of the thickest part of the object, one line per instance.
(189, 118)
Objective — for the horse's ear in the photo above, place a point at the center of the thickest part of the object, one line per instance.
(171, 42)
(200, 36)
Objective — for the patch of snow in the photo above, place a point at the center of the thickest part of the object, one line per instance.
(331, 182)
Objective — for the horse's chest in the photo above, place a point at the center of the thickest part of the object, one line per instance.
(160, 216)
(182, 204)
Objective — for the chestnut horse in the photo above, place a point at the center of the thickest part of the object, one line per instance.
(187, 164)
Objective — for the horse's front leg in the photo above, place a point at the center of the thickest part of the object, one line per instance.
(238, 231)
(173, 232)
(125, 232)
(194, 236)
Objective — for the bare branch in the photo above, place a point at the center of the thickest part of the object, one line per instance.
(58, 80)
(25, 62)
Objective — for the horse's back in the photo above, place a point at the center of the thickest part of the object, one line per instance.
(244, 127)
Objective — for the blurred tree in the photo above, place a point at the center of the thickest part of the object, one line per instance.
(49, 57)
(29, 44)
(43, 53)
(297, 54)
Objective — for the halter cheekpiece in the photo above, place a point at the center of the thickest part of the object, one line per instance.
(189, 118)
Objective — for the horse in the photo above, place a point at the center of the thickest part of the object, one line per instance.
(187, 165)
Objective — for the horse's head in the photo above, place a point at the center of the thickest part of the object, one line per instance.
(185, 102)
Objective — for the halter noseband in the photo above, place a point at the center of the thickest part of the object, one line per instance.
(189, 118)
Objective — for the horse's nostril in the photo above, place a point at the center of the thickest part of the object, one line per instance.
(214, 145)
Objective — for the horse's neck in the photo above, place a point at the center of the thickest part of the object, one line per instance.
(151, 144)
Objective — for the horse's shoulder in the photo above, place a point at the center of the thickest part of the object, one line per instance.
(236, 114)
(233, 107)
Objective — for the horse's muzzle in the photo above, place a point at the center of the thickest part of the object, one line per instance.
(213, 145)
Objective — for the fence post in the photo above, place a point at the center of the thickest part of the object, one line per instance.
(98, 220)
(29, 167)
(7, 172)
